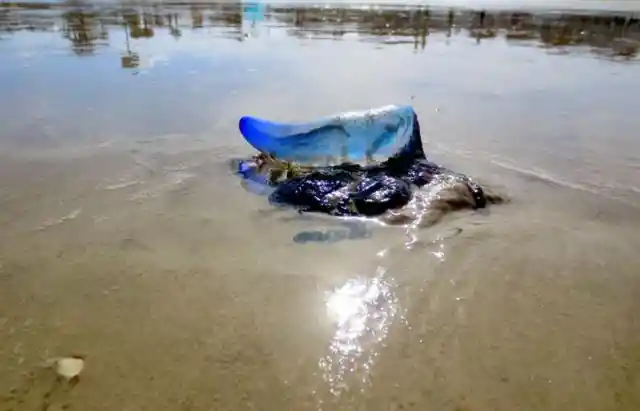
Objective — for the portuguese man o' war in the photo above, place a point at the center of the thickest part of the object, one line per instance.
(329, 166)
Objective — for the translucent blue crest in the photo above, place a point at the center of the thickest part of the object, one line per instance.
(352, 136)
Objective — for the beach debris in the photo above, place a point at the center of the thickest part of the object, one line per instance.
(68, 368)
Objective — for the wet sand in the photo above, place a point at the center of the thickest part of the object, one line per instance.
(126, 239)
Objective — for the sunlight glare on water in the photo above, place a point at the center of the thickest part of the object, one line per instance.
(362, 309)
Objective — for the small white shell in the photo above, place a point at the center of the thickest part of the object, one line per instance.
(69, 367)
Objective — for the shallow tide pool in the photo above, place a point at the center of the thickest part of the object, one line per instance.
(126, 239)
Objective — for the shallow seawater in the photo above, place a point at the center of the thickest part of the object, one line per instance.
(126, 239)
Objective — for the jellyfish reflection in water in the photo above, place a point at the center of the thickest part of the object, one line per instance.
(363, 310)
